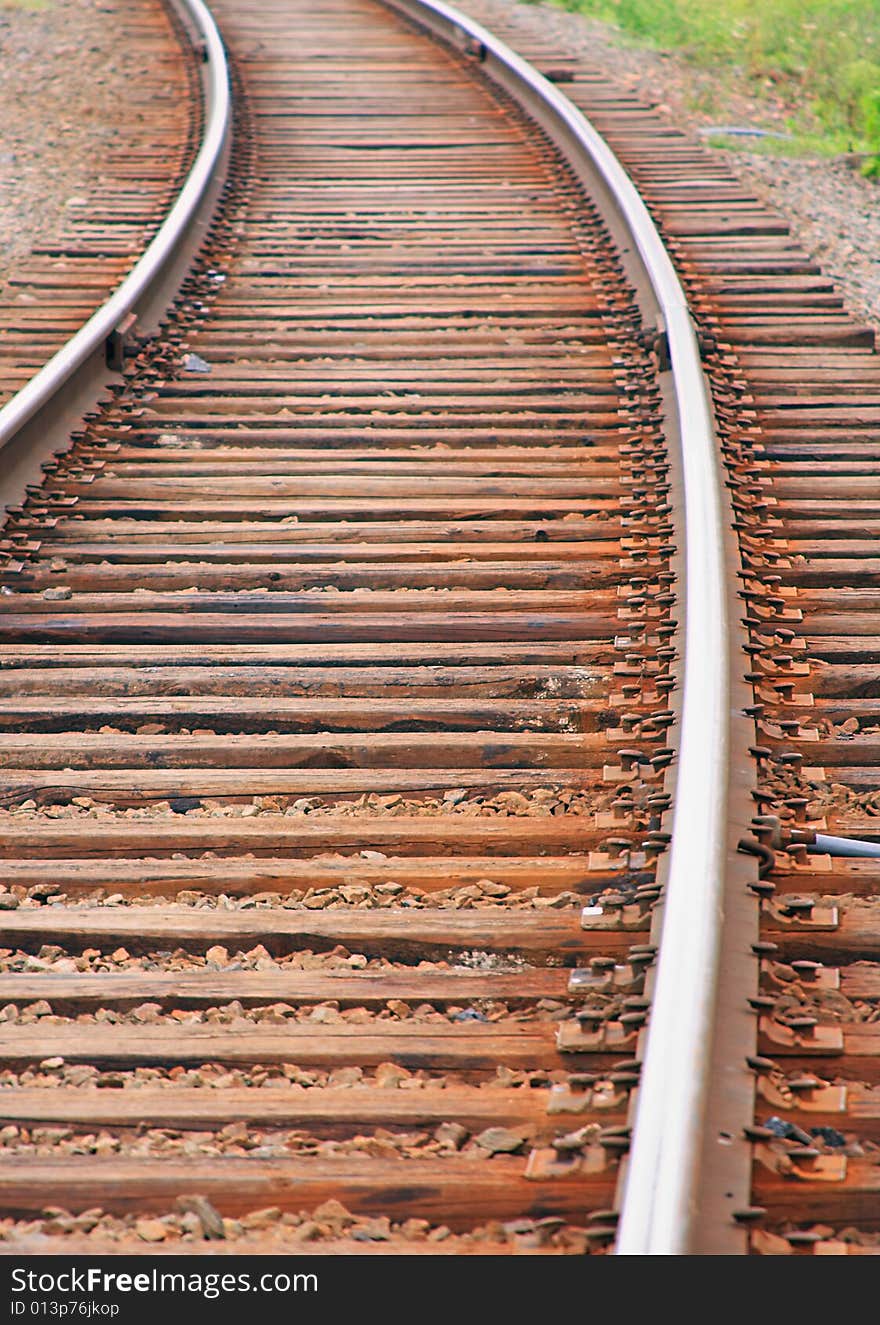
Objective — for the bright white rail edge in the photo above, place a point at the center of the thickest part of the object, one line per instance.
(658, 1205)
(662, 1168)
(53, 376)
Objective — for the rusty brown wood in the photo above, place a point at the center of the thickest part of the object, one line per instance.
(457, 1192)
(404, 543)
(329, 1111)
(796, 391)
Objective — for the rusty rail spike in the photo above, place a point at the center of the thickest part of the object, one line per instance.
(662, 1170)
(663, 1164)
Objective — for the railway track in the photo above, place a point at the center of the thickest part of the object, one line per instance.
(351, 656)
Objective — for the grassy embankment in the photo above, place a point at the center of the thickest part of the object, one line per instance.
(821, 58)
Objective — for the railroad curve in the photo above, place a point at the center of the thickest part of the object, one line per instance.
(352, 658)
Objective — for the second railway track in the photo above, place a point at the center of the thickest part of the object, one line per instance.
(347, 668)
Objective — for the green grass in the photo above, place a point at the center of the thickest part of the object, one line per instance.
(820, 57)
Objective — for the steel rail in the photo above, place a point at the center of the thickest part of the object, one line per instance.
(659, 1206)
(662, 1168)
(77, 356)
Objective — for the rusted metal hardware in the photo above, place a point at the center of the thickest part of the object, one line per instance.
(795, 382)
(368, 466)
(120, 342)
(658, 1206)
(752, 846)
(104, 672)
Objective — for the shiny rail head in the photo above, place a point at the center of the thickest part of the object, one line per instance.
(662, 1172)
(662, 1168)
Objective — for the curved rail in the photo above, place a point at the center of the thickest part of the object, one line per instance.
(663, 1163)
(658, 1208)
(75, 357)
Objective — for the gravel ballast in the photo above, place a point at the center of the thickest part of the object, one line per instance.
(68, 85)
(832, 210)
